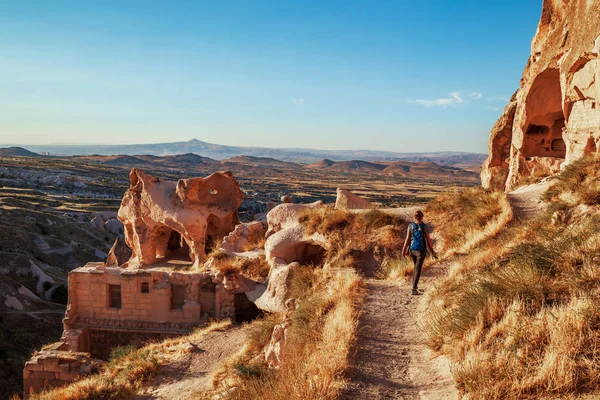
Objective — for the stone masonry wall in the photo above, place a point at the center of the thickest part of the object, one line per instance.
(53, 368)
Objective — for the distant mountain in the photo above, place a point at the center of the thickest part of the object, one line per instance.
(401, 168)
(349, 166)
(17, 152)
(425, 169)
(222, 152)
(258, 161)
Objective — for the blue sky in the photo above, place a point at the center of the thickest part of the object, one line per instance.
(388, 75)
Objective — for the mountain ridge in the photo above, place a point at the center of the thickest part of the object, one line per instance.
(222, 152)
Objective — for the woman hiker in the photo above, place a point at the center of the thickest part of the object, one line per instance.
(416, 244)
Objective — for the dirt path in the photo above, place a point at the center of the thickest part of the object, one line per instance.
(391, 360)
(526, 201)
(193, 372)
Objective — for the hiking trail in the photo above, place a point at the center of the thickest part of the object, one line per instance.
(526, 201)
(192, 373)
(391, 360)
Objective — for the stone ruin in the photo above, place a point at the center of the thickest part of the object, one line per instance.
(156, 283)
(158, 289)
(165, 218)
(554, 117)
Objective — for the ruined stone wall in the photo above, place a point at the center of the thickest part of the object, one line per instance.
(53, 368)
(553, 118)
(112, 306)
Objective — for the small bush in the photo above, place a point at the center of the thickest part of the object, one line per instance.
(120, 352)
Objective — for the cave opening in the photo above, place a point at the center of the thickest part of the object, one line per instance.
(310, 254)
(245, 310)
(545, 120)
(170, 245)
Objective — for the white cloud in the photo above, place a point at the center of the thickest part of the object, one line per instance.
(431, 103)
(299, 102)
(494, 108)
(456, 96)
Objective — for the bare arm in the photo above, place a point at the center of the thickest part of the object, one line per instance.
(430, 245)
(405, 247)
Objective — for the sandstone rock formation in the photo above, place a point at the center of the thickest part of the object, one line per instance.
(243, 234)
(274, 297)
(346, 200)
(275, 350)
(163, 216)
(287, 247)
(118, 254)
(286, 215)
(554, 117)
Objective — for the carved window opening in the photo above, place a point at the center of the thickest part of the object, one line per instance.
(145, 287)
(538, 130)
(114, 296)
(177, 297)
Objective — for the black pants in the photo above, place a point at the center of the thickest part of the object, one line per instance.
(418, 257)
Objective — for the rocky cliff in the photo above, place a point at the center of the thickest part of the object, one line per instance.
(554, 117)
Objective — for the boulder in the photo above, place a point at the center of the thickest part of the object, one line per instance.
(346, 200)
(292, 244)
(554, 117)
(274, 297)
(161, 216)
(242, 235)
(97, 223)
(286, 215)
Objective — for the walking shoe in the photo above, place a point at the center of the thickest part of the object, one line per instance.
(414, 292)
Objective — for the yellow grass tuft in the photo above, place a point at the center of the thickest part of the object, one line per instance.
(127, 370)
(519, 315)
(322, 328)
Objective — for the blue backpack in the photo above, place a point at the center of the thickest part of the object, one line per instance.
(417, 240)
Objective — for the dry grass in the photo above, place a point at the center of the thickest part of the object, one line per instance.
(322, 328)
(255, 268)
(258, 242)
(127, 370)
(520, 316)
(402, 268)
(464, 219)
(580, 179)
(347, 231)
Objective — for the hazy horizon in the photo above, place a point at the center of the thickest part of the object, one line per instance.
(397, 77)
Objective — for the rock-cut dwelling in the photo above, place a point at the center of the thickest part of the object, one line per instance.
(161, 291)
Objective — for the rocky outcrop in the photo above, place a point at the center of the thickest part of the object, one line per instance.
(107, 221)
(346, 200)
(274, 297)
(119, 254)
(243, 235)
(275, 350)
(163, 216)
(554, 117)
(286, 215)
